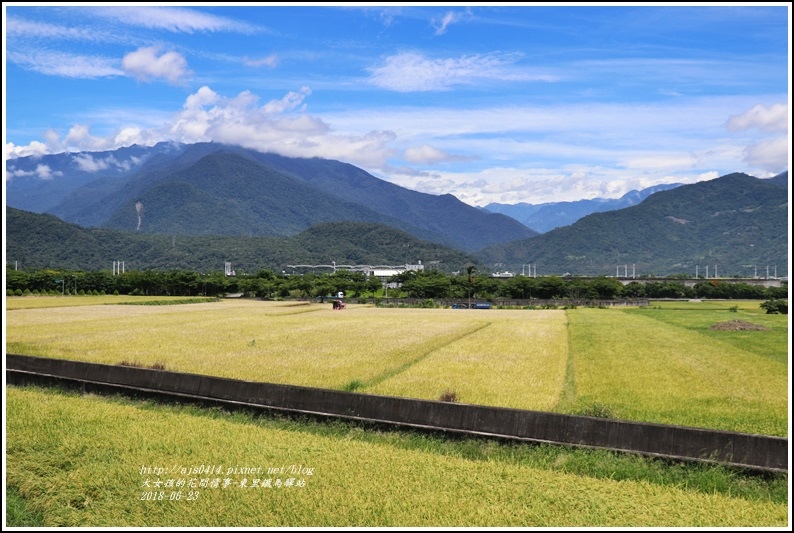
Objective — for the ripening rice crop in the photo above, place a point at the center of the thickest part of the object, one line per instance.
(516, 359)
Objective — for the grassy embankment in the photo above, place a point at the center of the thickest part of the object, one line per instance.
(82, 460)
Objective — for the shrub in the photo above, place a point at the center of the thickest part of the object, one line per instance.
(353, 386)
(448, 396)
(775, 307)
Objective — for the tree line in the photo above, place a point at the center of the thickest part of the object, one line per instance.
(408, 284)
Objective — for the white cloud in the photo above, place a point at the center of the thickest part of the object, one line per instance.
(280, 126)
(44, 172)
(13, 172)
(89, 163)
(291, 101)
(19, 27)
(771, 155)
(660, 160)
(429, 155)
(269, 61)
(79, 136)
(127, 136)
(145, 64)
(449, 18)
(771, 119)
(66, 65)
(411, 71)
(174, 19)
(35, 148)
(511, 185)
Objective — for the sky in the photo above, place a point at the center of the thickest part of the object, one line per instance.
(504, 103)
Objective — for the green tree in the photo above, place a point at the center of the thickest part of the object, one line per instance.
(774, 307)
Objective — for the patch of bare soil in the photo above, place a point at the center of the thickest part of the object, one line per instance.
(738, 325)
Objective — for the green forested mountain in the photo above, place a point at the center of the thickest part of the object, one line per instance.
(38, 241)
(736, 223)
(227, 194)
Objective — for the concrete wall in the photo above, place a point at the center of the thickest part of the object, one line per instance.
(750, 451)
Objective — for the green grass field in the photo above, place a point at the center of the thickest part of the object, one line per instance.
(667, 366)
(89, 461)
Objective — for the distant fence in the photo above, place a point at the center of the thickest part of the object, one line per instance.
(756, 452)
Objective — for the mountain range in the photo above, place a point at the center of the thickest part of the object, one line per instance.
(197, 206)
(215, 189)
(547, 216)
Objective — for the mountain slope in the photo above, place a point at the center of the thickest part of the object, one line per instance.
(41, 240)
(781, 179)
(463, 226)
(735, 222)
(225, 193)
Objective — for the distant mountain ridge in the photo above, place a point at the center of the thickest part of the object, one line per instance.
(547, 216)
(215, 189)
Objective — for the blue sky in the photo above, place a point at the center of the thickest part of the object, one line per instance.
(509, 103)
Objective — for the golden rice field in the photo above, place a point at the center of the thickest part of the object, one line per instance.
(88, 461)
(412, 352)
(653, 365)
